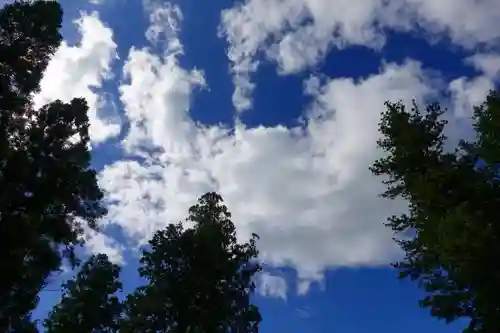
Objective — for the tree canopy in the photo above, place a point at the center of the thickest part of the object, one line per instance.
(199, 278)
(89, 303)
(451, 232)
(48, 188)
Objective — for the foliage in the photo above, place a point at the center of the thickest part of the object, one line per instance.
(89, 303)
(199, 279)
(451, 233)
(47, 187)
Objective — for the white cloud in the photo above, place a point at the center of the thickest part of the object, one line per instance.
(298, 33)
(76, 71)
(156, 100)
(164, 25)
(98, 242)
(306, 191)
(476, 24)
(468, 92)
(487, 63)
(272, 286)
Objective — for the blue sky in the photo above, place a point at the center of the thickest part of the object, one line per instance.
(275, 105)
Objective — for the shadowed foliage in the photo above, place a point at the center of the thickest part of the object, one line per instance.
(199, 278)
(451, 232)
(89, 303)
(47, 187)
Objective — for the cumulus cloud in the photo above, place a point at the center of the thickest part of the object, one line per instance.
(305, 190)
(467, 92)
(99, 242)
(164, 25)
(298, 33)
(77, 71)
(487, 63)
(272, 286)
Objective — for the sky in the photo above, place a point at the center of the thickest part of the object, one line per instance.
(274, 104)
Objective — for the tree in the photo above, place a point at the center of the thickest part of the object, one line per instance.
(47, 188)
(451, 232)
(199, 278)
(89, 303)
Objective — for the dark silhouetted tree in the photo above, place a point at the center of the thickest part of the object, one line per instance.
(451, 233)
(200, 278)
(47, 189)
(89, 302)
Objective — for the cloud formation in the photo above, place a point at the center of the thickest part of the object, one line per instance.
(77, 71)
(99, 242)
(306, 190)
(272, 286)
(298, 33)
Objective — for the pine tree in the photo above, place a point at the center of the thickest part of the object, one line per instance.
(199, 279)
(89, 303)
(451, 233)
(47, 189)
